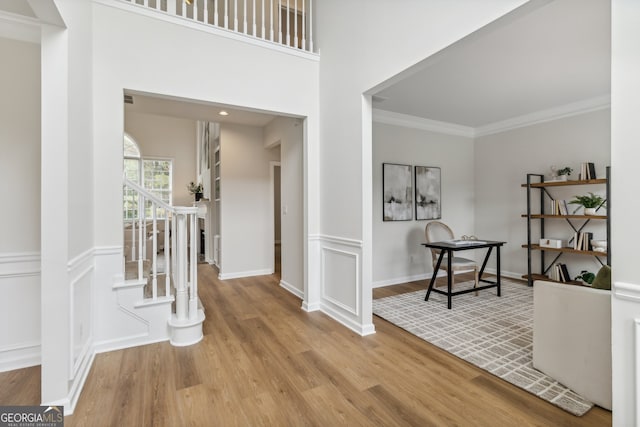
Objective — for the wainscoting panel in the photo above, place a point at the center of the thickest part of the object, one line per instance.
(340, 279)
(81, 277)
(20, 305)
(340, 287)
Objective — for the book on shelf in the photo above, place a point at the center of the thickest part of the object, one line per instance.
(588, 171)
(559, 207)
(582, 241)
(559, 273)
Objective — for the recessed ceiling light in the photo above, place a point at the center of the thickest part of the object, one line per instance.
(223, 113)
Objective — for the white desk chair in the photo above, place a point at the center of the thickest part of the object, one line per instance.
(437, 231)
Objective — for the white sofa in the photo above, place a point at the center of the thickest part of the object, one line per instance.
(572, 338)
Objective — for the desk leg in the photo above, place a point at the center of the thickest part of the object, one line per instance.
(449, 274)
(433, 277)
(484, 263)
(498, 268)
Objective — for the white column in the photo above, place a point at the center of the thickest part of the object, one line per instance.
(154, 255)
(244, 18)
(167, 256)
(215, 13)
(295, 22)
(54, 234)
(182, 298)
(271, 20)
(279, 21)
(226, 13)
(311, 25)
(304, 25)
(288, 26)
(193, 295)
(235, 15)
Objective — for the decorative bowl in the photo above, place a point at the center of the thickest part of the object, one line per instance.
(599, 245)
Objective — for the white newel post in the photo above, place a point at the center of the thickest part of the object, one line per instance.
(181, 264)
(193, 264)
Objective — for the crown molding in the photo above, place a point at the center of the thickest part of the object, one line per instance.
(563, 111)
(19, 27)
(405, 120)
(555, 113)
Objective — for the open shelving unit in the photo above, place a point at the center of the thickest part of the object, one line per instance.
(539, 219)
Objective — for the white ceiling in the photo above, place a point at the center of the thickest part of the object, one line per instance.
(194, 110)
(545, 55)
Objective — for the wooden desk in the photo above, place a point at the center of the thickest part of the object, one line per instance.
(449, 248)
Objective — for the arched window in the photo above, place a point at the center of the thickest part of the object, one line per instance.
(153, 174)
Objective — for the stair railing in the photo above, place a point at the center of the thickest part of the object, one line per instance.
(181, 263)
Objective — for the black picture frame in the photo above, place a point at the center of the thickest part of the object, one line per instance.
(428, 192)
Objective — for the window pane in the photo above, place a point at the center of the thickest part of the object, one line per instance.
(130, 148)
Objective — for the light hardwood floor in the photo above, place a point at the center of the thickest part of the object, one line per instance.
(264, 361)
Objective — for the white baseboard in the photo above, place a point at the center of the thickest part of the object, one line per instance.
(241, 274)
(310, 307)
(78, 385)
(127, 342)
(20, 356)
(359, 329)
(289, 287)
(405, 279)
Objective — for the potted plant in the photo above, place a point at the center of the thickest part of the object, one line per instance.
(590, 202)
(195, 189)
(563, 174)
(586, 276)
(560, 174)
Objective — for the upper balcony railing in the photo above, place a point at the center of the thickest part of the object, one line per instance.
(283, 22)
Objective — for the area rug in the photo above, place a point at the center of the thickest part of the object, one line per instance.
(493, 333)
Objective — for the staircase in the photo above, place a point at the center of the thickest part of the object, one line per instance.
(160, 286)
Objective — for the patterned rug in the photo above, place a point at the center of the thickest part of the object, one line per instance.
(495, 334)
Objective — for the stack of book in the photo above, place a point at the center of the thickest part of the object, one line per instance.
(559, 207)
(582, 241)
(588, 171)
(559, 273)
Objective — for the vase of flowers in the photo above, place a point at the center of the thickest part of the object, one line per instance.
(195, 189)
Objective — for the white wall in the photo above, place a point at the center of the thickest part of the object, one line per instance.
(502, 161)
(221, 70)
(625, 151)
(247, 242)
(20, 145)
(355, 58)
(288, 132)
(20, 192)
(170, 138)
(397, 254)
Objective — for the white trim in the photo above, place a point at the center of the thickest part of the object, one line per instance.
(406, 120)
(292, 289)
(9, 263)
(350, 323)
(76, 387)
(323, 295)
(18, 356)
(337, 240)
(310, 307)
(626, 291)
(240, 274)
(79, 259)
(107, 250)
(560, 112)
(207, 28)
(19, 27)
(126, 342)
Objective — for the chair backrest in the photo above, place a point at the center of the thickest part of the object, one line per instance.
(437, 231)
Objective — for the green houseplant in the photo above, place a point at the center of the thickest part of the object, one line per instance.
(565, 171)
(590, 202)
(586, 276)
